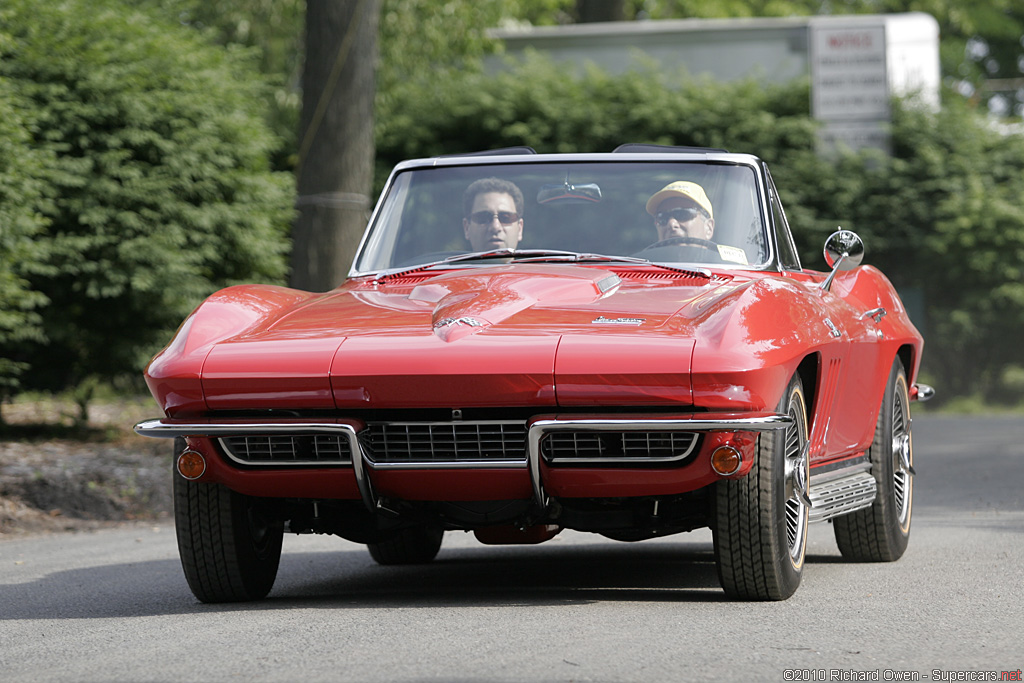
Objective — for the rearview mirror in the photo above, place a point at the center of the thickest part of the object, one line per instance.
(567, 193)
(844, 250)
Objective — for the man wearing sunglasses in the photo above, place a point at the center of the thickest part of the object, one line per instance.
(493, 210)
(682, 209)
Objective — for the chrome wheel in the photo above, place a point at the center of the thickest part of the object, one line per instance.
(902, 455)
(797, 503)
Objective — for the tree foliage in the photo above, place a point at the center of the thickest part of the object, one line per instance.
(22, 196)
(537, 104)
(156, 154)
(272, 29)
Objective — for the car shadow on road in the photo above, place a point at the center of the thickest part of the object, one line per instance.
(523, 576)
(349, 579)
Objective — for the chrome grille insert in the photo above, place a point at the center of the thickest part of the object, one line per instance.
(288, 449)
(600, 446)
(480, 443)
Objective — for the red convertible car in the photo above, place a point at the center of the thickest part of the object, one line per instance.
(622, 343)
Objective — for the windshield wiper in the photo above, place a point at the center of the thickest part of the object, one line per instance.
(472, 256)
(574, 257)
(537, 256)
(515, 254)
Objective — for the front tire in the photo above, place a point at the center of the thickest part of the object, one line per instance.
(760, 530)
(881, 532)
(229, 544)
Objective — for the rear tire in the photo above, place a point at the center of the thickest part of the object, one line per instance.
(881, 532)
(415, 545)
(760, 530)
(230, 546)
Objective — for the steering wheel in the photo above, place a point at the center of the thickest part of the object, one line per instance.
(684, 240)
(683, 248)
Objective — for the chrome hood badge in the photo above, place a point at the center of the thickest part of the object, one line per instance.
(601, 320)
(444, 322)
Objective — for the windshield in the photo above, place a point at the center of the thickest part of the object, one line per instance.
(679, 212)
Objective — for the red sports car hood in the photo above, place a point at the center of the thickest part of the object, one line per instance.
(517, 335)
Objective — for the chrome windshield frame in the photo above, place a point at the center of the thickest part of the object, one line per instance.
(757, 167)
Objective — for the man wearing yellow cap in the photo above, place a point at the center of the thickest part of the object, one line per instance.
(682, 209)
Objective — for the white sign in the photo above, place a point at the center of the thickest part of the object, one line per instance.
(848, 73)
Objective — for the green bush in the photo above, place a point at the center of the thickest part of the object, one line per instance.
(159, 177)
(942, 216)
(539, 104)
(21, 198)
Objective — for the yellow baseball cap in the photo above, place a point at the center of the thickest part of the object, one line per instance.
(684, 189)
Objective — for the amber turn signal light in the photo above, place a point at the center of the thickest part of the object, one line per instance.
(726, 460)
(191, 464)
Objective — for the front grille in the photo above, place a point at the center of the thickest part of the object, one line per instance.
(444, 443)
(597, 446)
(289, 449)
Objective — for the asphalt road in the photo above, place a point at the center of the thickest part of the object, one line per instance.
(113, 606)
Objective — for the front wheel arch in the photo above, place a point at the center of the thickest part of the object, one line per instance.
(809, 372)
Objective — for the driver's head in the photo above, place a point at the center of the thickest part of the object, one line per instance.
(682, 209)
(492, 214)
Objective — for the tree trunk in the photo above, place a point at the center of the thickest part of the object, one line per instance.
(600, 10)
(336, 150)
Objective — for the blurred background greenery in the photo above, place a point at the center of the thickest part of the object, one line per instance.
(148, 152)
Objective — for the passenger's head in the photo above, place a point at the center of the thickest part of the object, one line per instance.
(492, 211)
(682, 209)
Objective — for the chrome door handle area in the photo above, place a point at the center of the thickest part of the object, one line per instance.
(875, 313)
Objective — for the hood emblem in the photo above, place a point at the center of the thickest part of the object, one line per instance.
(601, 320)
(445, 322)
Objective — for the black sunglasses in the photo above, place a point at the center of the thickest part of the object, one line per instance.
(485, 217)
(681, 215)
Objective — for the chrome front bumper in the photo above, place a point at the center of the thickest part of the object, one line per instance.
(537, 428)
